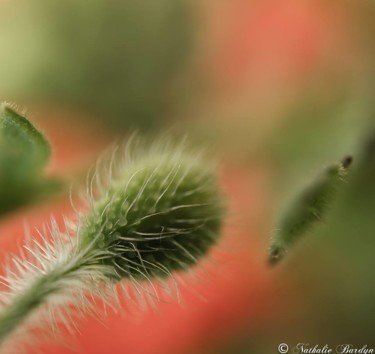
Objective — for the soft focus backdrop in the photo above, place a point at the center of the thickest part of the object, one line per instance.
(275, 91)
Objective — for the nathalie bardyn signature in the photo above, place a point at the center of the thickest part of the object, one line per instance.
(302, 348)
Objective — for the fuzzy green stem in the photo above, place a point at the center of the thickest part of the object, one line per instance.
(35, 296)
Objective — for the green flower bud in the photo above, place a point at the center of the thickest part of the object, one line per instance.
(308, 209)
(161, 212)
(157, 212)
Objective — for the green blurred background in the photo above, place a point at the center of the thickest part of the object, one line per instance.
(277, 89)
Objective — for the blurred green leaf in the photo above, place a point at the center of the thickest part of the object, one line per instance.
(24, 152)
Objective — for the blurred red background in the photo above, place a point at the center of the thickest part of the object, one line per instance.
(261, 50)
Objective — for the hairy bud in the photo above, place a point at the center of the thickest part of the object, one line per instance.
(160, 213)
(309, 208)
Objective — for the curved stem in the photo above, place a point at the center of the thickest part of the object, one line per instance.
(35, 295)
